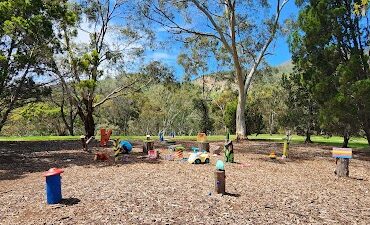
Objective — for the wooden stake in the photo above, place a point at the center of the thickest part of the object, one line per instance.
(220, 181)
(148, 145)
(203, 146)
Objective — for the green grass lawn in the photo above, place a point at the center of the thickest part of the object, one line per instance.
(354, 142)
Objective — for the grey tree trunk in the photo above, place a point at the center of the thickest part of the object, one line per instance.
(241, 128)
(342, 169)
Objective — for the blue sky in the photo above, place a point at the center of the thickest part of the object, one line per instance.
(169, 53)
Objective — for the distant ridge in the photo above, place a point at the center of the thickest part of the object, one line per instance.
(213, 81)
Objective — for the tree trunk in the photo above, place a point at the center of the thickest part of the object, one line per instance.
(342, 169)
(271, 122)
(308, 137)
(345, 140)
(367, 134)
(241, 128)
(89, 124)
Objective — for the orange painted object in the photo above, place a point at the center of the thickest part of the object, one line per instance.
(104, 136)
(179, 154)
(101, 156)
(272, 155)
(201, 137)
(52, 172)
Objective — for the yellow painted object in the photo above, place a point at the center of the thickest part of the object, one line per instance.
(344, 153)
(272, 155)
(285, 149)
(198, 158)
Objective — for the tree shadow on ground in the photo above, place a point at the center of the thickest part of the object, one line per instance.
(232, 194)
(69, 201)
(20, 158)
(297, 152)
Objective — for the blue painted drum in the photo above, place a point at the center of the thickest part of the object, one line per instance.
(53, 189)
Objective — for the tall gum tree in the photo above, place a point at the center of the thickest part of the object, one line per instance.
(239, 33)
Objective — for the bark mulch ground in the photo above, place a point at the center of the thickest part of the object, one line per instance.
(300, 190)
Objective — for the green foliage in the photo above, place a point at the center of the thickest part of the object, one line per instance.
(28, 31)
(205, 122)
(329, 49)
(35, 119)
(302, 108)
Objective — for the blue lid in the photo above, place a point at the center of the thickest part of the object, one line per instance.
(220, 165)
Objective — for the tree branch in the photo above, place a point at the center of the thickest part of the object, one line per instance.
(114, 93)
(266, 45)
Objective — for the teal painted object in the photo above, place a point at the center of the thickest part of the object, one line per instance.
(220, 165)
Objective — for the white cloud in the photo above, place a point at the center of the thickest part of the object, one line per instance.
(163, 56)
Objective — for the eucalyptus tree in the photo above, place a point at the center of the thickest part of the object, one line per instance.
(237, 33)
(27, 40)
(111, 43)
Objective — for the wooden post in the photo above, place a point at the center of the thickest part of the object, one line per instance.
(220, 181)
(203, 146)
(342, 169)
(285, 149)
(83, 141)
(86, 142)
(229, 151)
(342, 156)
(148, 145)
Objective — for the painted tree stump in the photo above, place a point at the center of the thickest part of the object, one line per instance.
(342, 169)
(342, 156)
(148, 145)
(203, 146)
(229, 151)
(220, 181)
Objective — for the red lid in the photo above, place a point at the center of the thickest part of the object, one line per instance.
(52, 172)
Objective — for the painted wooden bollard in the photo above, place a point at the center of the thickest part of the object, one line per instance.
(148, 145)
(220, 178)
(201, 137)
(153, 154)
(104, 137)
(342, 156)
(203, 146)
(285, 149)
(53, 185)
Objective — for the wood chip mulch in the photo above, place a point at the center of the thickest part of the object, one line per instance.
(300, 190)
